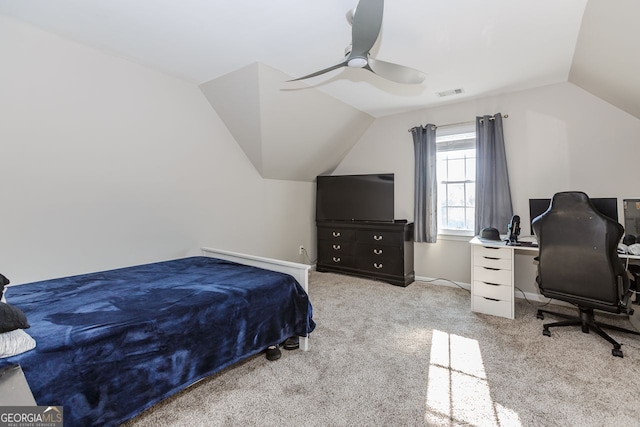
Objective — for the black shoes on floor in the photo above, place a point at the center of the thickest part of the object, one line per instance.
(273, 351)
(291, 343)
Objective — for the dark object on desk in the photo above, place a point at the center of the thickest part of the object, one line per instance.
(579, 264)
(524, 244)
(490, 233)
(629, 240)
(513, 230)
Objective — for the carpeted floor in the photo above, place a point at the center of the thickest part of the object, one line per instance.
(383, 355)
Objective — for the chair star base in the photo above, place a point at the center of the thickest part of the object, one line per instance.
(588, 323)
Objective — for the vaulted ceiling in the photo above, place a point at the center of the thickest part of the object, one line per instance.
(242, 53)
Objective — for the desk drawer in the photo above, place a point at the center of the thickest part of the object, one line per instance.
(500, 292)
(491, 260)
(493, 307)
(491, 252)
(489, 275)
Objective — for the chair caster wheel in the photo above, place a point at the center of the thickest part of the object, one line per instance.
(617, 352)
(540, 315)
(546, 333)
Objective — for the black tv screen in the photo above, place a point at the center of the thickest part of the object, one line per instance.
(607, 206)
(355, 197)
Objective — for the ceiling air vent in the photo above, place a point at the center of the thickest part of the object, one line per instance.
(450, 92)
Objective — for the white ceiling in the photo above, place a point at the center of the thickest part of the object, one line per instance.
(484, 47)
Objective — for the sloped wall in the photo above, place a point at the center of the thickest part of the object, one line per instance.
(289, 131)
(107, 164)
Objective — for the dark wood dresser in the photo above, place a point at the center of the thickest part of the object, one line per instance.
(375, 250)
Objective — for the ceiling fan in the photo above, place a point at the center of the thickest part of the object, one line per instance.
(366, 21)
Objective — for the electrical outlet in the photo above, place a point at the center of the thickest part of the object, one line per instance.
(301, 250)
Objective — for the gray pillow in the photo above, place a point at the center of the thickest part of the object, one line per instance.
(15, 342)
(12, 318)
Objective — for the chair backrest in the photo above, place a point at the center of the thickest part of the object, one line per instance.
(578, 260)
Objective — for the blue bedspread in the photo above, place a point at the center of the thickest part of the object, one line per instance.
(113, 343)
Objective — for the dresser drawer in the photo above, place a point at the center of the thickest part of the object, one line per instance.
(500, 292)
(494, 307)
(378, 251)
(489, 275)
(333, 260)
(336, 234)
(379, 237)
(336, 247)
(384, 266)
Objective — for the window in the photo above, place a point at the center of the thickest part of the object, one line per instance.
(456, 166)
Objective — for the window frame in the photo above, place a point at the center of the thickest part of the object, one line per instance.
(449, 135)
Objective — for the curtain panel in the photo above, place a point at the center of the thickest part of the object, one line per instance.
(493, 195)
(426, 185)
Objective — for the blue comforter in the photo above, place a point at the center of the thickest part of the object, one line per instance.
(113, 343)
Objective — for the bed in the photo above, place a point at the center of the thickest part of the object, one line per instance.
(111, 344)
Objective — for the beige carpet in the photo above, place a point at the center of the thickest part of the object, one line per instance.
(383, 355)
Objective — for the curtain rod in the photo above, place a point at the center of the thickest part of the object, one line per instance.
(463, 123)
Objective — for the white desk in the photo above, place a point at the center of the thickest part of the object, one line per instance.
(493, 276)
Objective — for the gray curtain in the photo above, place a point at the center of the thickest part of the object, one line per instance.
(426, 185)
(493, 196)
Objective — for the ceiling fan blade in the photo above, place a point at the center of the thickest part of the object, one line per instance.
(350, 13)
(395, 72)
(317, 73)
(365, 28)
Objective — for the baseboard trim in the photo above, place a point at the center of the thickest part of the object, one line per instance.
(443, 282)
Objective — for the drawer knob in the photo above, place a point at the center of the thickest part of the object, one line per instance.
(336, 247)
(377, 251)
(378, 266)
(336, 259)
(376, 237)
(336, 234)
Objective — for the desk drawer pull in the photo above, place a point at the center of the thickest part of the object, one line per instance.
(376, 237)
(492, 284)
(491, 299)
(377, 251)
(378, 266)
(336, 259)
(336, 247)
(336, 234)
(490, 257)
(493, 269)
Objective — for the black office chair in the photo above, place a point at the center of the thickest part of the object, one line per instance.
(579, 264)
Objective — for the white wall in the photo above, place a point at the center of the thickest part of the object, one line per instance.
(557, 137)
(106, 164)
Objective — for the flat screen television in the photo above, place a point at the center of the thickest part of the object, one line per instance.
(607, 206)
(355, 197)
